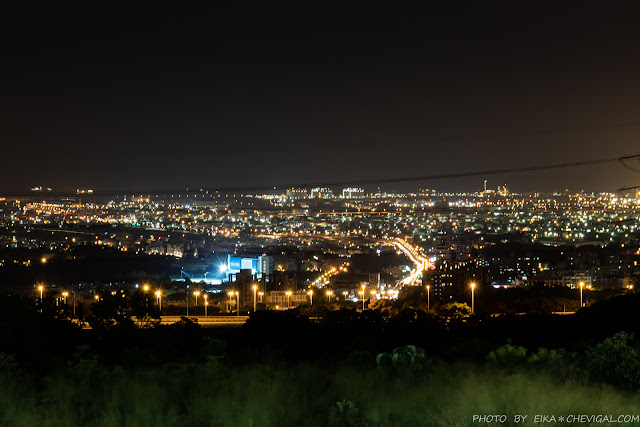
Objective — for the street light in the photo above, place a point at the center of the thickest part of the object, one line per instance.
(146, 300)
(255, 289)
(237, 303)
(363, 294)
(159, 296)
(40, 288)
(581, 285)
(65, 294)
(345, 293)
(311, 295)
(329, 294)
(288, 293)
(428, 302)
(261, 294)
(196, 293)
(473, 286)
(206, 304)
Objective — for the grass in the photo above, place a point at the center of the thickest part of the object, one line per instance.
(305, 394)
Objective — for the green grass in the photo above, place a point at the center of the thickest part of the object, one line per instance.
(300, 395)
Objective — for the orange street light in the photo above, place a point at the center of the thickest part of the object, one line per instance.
(196, 294)
(329, 295)
(473, 286)
(255, 288)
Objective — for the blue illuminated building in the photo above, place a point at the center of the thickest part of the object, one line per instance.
(261, 266)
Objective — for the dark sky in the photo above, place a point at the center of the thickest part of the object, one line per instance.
(109, 98)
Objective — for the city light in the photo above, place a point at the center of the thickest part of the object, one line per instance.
(255, 299)
(196, 294)
(288, 293)
(473, 286)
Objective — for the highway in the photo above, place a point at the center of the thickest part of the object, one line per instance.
(420, 262)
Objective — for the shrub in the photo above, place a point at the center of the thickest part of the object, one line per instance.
(344, 414)
(508, 356)
(614, 361)
(214, 352)
(406, 356)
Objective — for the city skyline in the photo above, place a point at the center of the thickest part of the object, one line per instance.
(393, 185)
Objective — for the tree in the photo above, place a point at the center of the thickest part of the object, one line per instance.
(454, 310)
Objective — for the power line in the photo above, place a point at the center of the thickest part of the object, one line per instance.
(241, 189)
(629, 188)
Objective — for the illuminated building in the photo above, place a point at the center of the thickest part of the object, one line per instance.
(352, 193)
(321, 193)
(297, 193)
(260, 267)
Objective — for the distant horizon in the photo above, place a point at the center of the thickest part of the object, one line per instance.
(248, 191)
(515, 181)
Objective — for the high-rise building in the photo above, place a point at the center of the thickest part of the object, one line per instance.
(452, 279)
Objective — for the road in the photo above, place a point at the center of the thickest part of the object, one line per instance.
(420, 262)
(209, 321)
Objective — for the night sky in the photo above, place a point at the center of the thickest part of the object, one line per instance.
(170, 98)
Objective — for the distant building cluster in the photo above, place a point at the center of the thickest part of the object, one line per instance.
(492, 238)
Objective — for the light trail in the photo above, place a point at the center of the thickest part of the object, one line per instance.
(421, 262)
